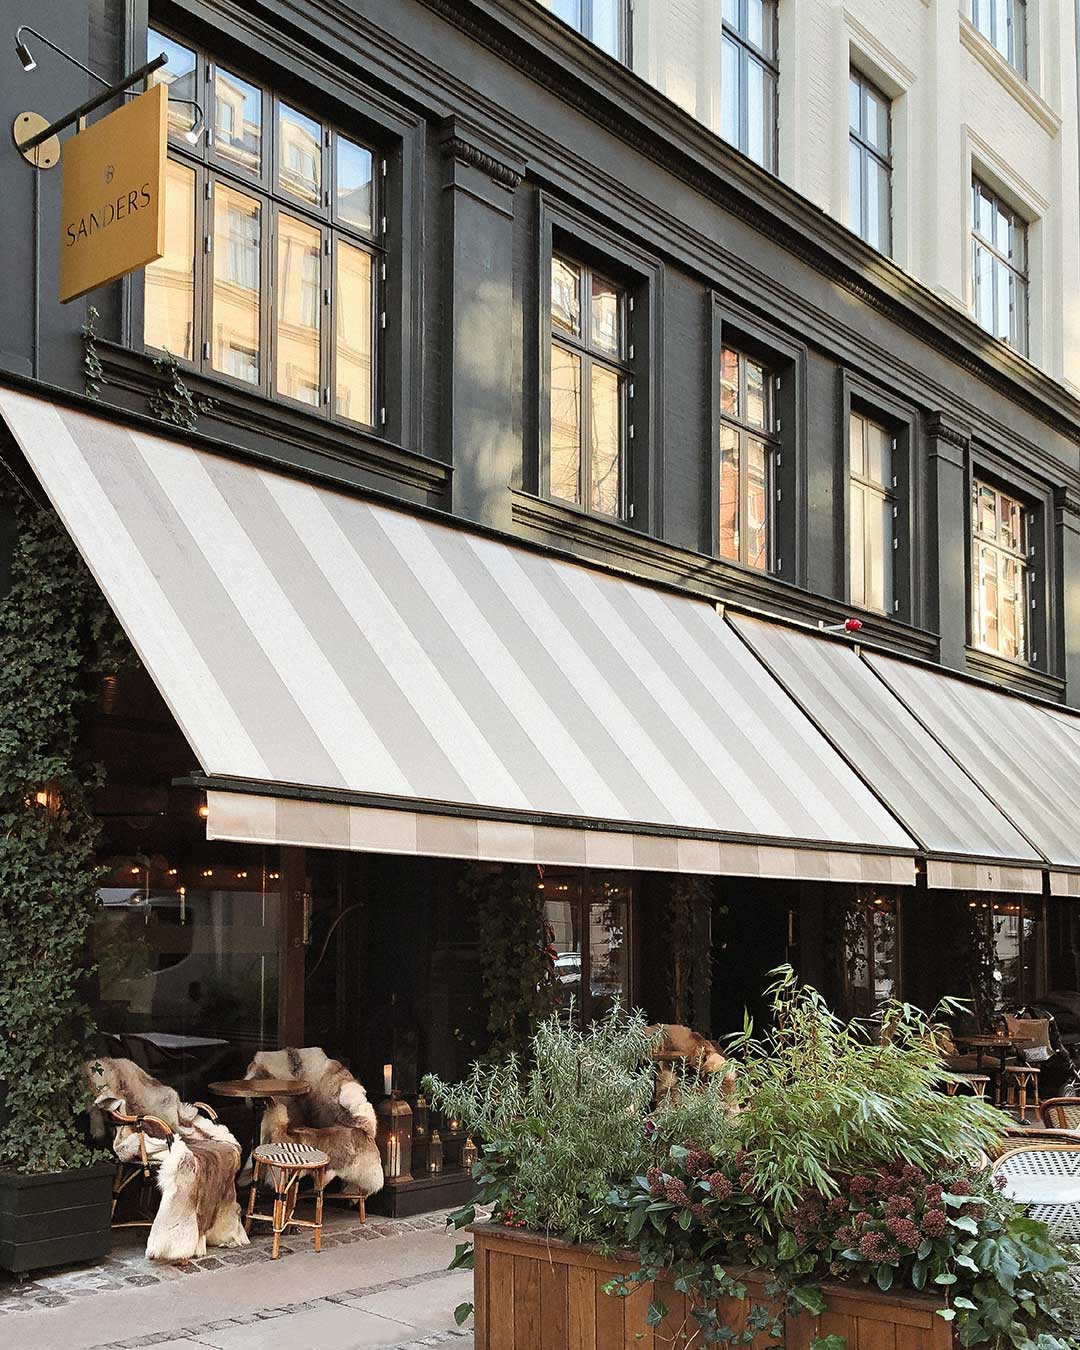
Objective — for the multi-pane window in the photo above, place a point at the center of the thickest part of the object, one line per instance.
(1004, 23)
(749, 461)
(1000, 573)
(273, 244)
(604, 22)
(872, 514)
(871, 952)
(869, 162)
(999, 267)
(589, 917)
(590, 388)
(748, 79)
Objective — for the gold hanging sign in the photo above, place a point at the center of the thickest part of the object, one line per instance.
(112, 195)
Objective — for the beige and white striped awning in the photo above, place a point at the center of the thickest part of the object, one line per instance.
(352, 675)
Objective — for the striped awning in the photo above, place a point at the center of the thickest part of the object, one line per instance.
(970, 842)
(1026, 757)
(361, 677)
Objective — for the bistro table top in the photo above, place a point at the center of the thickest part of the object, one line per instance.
(260, 1087)
(997, 1039)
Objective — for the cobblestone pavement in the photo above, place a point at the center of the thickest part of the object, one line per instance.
(127, 1266)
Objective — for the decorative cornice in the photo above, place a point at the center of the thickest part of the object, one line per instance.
(988, 56)
(478, 149)
(940, 427)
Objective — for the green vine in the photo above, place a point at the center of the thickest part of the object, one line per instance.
(516, 969)
(173, 401)
(56, 635)
(690, 909)
(977, 959)
(93, 370)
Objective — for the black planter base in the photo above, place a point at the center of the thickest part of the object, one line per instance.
(55, 1218)
(445, 1190)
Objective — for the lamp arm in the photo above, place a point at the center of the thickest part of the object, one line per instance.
(25, 28)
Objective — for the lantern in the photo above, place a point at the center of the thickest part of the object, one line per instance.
(468, 1153)
(393, 1134)
(435, 1153)
(420, 1117)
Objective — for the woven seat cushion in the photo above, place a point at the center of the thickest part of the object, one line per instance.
(290, 1154)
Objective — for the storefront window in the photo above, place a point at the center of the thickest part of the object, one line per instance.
(1016, 946)
(187, 964)
(589, 917)
(872, 952)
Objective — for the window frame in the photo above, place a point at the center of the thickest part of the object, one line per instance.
(984, 20)
(1019, 335)
(766, 57)
(587, 27)
(734, 326)
(588, 884)
(867, 152)
(1022, 557)
(211, 169)
(887, 495)
(564, 229)
(590, 357)
(745, 432)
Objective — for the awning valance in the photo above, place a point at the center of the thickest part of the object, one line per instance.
(459, 695)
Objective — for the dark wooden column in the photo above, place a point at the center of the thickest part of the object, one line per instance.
(291, 951)
(482, 334)
(947, 530)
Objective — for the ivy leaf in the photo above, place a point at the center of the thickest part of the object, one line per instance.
(464, 1257)
(947, 1314)
(830, 1342)
(462, 1313)
(656, 1314)
(810, 1297)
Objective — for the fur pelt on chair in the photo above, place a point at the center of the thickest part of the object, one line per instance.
(196, 1171)
(700, 1055)
(335, 1115)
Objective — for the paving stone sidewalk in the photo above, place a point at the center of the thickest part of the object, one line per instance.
(380, 1284)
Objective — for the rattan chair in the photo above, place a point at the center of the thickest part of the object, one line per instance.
(145, 1148)
(1035, 1174)
(1061, 1113)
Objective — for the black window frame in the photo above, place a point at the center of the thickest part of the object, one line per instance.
(984, 19)
(563, 229)
(867, 152)
(745, 431)
(588, 884)
(860, 395)
(739, 328)
(768, 58)
(994, 462)
(213, 171)
(1019, 332)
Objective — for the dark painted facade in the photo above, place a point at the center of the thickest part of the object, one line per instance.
(505, 135)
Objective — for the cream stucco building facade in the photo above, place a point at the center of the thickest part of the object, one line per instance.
(960, 108)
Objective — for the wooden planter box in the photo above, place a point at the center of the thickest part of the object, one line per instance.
(532, 1293)
(55, 1218)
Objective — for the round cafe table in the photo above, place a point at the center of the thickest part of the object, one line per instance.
(999, 1044)
(256, 1091)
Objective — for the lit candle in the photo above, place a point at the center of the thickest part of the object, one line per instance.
(388, 1078)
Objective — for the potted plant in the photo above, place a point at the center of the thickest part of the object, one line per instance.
(55, 1196)
(837, 1198)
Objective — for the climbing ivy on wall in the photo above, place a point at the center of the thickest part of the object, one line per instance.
(517, 973)
(690, 910)
(56, 636)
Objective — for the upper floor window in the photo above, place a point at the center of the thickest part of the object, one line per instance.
(590, 388)
(999, 267)
(1004, 23)
(273, 245)
(872, 513)
(1000, 573)
(870, 162)
(748, 79)
(604, 22)
(749, 460)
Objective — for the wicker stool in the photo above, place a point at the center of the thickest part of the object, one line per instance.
(976, 1083)
(287, 1163)
(1019, 1078)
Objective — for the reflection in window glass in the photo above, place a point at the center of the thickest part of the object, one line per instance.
(237, 283)
(606, 306)
(170, 282)
(354, 327)
(1001, 582)
(999, 268)
(565, 296)
(871, 505)
(352, 185)
(299, 155)
(601, 21)
(748, 449)
(588, 920)
(179, 75)
(869, 163)
(604, 455)
(565, 476)
(748, 79)
(299, 248)
(238, 120)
